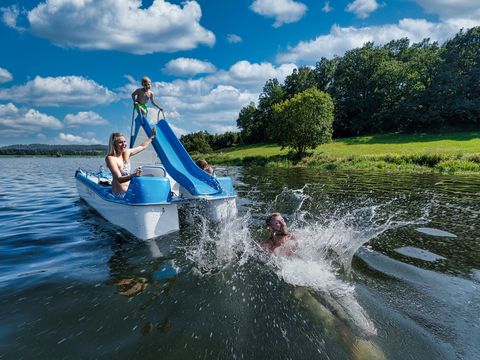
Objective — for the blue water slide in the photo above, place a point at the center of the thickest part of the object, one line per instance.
(177, 161)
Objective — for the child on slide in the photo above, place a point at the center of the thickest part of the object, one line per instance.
(141, 96)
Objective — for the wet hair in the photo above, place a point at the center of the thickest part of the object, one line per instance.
(270, 217)
(146, 79)
(114, 137)
(201, 163)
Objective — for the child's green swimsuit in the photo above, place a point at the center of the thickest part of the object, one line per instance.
(143, 106)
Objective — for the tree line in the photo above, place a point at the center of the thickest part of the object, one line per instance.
(53, 150)
(203, 142)
(396, 87)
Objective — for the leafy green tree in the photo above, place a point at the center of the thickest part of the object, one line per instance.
(354, 91)
(221, 141)
(251, 128)
(456, 88)
(197, 142)
(383, 89)
(300, 80)
(423, 60)
(304, 121)
(325, 73)
(388, 95)
(273, 93)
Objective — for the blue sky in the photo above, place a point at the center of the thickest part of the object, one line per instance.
(68, 67)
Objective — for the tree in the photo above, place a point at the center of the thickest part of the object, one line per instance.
(300, 80)
(355, 93)
(423, 60)
(197, 142)
(273, 93)
(456, 89)
(304, 121)
(251, 128)
(221, 141)
(324, 73)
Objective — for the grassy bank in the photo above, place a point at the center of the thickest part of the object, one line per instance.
(446, 152)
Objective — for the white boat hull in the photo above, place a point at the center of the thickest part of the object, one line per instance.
(143, 221)
(221, 209)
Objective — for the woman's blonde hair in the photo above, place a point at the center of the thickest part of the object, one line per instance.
(146, 79)
(114, 137)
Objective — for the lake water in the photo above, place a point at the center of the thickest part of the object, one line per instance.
(388, 267)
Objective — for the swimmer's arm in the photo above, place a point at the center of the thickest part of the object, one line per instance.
(288, 248)
(266, 246)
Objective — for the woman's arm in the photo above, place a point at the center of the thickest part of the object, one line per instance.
(144, 145)
(117, 176)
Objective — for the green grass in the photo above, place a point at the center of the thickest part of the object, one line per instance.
(445, 152)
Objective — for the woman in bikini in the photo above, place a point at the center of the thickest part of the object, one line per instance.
(118, 161)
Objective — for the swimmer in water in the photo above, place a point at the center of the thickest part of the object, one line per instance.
(280, 240)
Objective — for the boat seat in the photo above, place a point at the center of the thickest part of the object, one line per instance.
(104, 182)
(156, 171)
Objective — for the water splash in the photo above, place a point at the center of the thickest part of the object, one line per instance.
(335, 239)
(291, 202)
(331, 236)
(221, 244)
(327, 242)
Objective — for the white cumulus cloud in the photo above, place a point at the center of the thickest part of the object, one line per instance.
(23, 121)
(203, 106)
(75, 139)
(120, 25)
(84, 118)
(326, 7)
(284, 11)
(251, 75)
(58, 91)
(5, 76)
(451, 9)
(10, 15)
(341, 39)
(234, 39)
(362, 8)
(188, 67)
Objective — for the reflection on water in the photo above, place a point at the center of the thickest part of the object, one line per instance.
(419, 253)
(377, 273)
(436, 232)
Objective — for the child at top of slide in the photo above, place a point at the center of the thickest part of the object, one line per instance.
(141, 96)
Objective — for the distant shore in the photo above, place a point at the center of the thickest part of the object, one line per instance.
(48, 150)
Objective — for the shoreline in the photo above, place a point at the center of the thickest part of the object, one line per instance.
(443, 153)
(450, 167)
